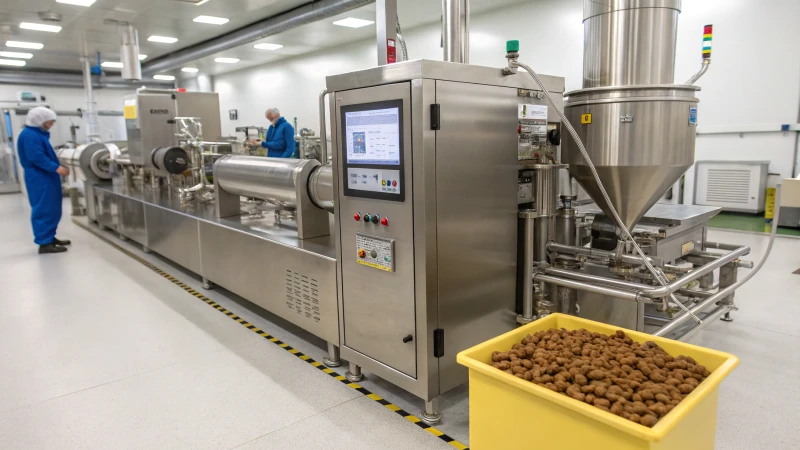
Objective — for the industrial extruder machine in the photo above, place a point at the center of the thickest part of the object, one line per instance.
(441, 221)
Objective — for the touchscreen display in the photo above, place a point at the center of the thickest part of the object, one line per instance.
(373, 137)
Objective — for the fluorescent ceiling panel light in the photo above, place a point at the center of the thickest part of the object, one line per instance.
(352, 22)
(211, 19)
(40, 27)
(190, 69)
(77, 2)
(164, 77)
(201, 2)
(163, 39)
(227, 60)
(11, 62)
(266, 46)
(20, 44)
(16, 55)
(112, 64)
(142, 57)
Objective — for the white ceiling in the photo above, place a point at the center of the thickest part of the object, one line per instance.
(174, 18)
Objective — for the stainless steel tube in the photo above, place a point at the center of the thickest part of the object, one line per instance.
(565, 226)
(528, 216)
(719, 245)
(663, 291)
(543, 232)
(593, 252)
(581, 286)
(323, 128)
(455, 30)
(270, 179)
(320, 187)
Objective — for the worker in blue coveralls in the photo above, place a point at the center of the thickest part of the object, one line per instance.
(280, 141)
(42, 178)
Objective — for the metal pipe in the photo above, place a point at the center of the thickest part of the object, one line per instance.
(129, 52)
(528, 216)
(92, 132)
(270, 179)
(455, 16)
(709, 318)
(565, 226)
(596, 253)
(73, 80)
(602, 290)
(668, 289)
(323, 128)
(302, 15)
(719, 245)
(543, 232)
(700, 73)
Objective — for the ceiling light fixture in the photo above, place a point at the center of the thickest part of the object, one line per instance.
(190, 69)
(164, 77)
(11, 62)
(142, 57)
(20, 44)
(112, 64)
(201, 2)
(266, 46)
(77, 2)
(227, 60)
(40, 27)
(16, 55)
(352, 22)
(163, 39)
(211, 19)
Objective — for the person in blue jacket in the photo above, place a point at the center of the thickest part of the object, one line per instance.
(42, 178)
(280, 141)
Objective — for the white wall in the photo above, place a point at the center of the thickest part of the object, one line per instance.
(70, 99)
(754, 77)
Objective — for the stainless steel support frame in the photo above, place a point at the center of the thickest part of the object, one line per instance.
(432, 414)
(528, 216)
(354, 373)
(332, 360)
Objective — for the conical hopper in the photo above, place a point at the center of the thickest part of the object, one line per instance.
(640, 139)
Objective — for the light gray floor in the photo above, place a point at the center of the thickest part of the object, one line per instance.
(97, 351)
(145, 365)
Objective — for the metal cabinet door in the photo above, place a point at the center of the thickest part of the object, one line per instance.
(378, 306)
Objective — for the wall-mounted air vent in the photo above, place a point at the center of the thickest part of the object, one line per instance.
(732, 185)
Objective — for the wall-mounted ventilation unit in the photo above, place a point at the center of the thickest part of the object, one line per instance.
(733, 185)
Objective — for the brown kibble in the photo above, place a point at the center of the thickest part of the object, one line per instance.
(640, 382)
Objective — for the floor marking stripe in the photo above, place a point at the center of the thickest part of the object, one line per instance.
(390, 406)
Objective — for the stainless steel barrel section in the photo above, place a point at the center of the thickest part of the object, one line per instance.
(320, 187)
(272, 179)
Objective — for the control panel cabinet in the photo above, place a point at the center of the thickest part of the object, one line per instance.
(426, 163)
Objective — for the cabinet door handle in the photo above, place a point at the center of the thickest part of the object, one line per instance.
(408, 339)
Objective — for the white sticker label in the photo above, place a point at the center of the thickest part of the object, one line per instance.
(532, 112)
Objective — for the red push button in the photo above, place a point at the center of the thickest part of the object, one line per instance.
(385, 222)
(357, 216)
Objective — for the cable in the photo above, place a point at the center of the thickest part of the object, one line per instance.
(659, 276)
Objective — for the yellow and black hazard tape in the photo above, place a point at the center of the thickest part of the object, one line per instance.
(390, 406)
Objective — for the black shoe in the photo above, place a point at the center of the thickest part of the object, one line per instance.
(51, 248)
(60, 242)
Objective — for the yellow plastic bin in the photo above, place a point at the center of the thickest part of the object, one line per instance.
(506, 412)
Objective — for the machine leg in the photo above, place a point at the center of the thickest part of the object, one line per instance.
(332, 360)
(432, 414)
(354, 373)
(728, 275)
(207, 284)
(122, 238)
(727, 317)
(147, 250)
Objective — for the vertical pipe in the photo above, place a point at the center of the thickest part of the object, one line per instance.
(92, 132)
(528, 216)
(727, 277)
(129, 52)
(323, 128)
(566, 227)
(386, 24)
(456, 30)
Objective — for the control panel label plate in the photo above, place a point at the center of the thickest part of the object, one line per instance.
(375, 252)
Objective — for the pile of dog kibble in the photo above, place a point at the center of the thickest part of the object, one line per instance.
(639, 382)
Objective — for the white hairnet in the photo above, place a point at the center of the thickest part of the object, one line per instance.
(39, 115)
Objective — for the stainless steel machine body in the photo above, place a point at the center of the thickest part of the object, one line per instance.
(439, 274)
(150, 119)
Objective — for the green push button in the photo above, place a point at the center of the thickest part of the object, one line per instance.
(512, 46)
(387, 258)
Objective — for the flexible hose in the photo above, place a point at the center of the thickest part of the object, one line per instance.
(656, 273)
(402, 41)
